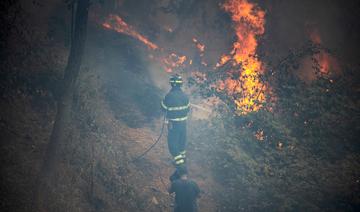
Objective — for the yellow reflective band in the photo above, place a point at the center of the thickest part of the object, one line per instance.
(179, 119)
(183, 153)
(179, 162)
(178, 108)
(163, 105)
(176, 81)
(179, 157)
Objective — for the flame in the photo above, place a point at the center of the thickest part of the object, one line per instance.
(247, 89)
(173, 61)
(223, 60)
(169, 61)
(325, 62)
(117, 24)
(322, 58)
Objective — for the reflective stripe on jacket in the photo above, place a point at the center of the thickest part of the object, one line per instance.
(176, 104)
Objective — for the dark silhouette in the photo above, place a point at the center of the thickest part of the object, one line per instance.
(186, 192)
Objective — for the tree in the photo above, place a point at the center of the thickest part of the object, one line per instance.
(63, 119)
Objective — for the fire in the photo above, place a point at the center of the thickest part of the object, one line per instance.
(325, 60)
(117, 24)
(199, 46)
(169, 61)
(223, 60)
(173, 61)
(243, 84)
(247, 89)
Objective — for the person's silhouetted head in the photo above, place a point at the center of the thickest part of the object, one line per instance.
(182, 171)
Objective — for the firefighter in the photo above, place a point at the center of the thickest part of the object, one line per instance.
(176, 105)
(186, 192)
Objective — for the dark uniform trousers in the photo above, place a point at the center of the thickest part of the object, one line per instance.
(177, 137)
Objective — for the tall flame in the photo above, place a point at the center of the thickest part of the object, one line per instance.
(248, 23)
(117, 24)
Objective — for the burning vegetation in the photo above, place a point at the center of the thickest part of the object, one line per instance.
(117, 24)
(243, 83)
(325, 63)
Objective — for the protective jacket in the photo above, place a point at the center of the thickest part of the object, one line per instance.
(176, 104)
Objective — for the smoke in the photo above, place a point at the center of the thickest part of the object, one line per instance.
(289, 25)
(173, 24)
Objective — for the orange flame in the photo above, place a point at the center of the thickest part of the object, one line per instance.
(169, 62)
(117, 24)
(248, 91)
(173, 61)
(325, 61)
(223, 60)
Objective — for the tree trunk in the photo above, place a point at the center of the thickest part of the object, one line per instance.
(63, 117)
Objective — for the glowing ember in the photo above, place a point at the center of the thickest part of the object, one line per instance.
(117, 24)
(247, 90)
(199, 46)
(259, 135)
(169, 29)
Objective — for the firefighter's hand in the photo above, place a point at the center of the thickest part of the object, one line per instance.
(166, 121)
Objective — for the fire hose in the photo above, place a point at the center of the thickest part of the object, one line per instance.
(154, 144)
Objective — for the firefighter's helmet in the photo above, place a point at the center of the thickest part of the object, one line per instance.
(176, 80)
